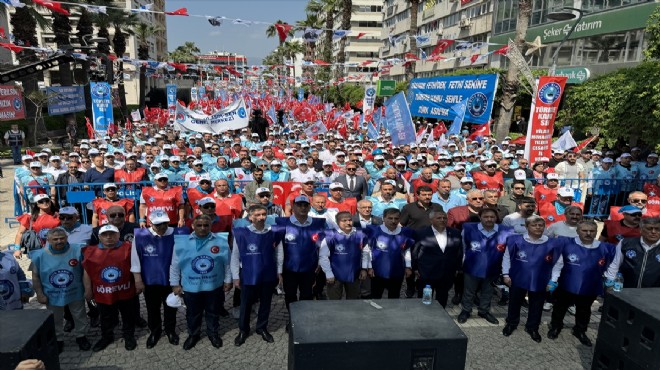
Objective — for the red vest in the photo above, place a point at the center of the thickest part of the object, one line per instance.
(653, 192)
(124, 176)
(167, 201)
(616, 216)
(347, 205)
(543, 194)
(110, 272)
(230, 206)
(483, 181)
(193, 196)
(101, 205)
(616, 232)
(549, 212)
(419, 182)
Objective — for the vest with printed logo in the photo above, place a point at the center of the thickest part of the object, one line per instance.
(345, 254)
(640, 269)
(202, 262)
(101, 205)
(531, 264)
(61, 275)
(300, 243)
(617, 232)
(387, 252)
(167, 201)
(155, 254)
(10, 291)
(110, 272)
(483, 255)
(258, 255)
(583, 269)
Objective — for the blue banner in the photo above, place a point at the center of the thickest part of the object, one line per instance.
(434, 97)
(101, 106)
(65, 99)
(171, 98)
(398, 120)
(301, 94)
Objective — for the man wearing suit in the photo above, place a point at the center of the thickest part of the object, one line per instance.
(363, 218)
(355, 186)
(437, 255)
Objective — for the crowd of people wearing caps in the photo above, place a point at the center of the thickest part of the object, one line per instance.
(364, 217)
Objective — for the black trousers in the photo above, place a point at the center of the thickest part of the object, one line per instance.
(582, 309)
(294, 282)
(440, 287)
(155, 297)
(534, 312)
(458, 284)
(249, 295)
(319, 283)
(205, 304)
(110, 315)
(379, 284)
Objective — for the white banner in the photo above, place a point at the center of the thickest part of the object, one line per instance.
(233, 117)
(135, 115)
(369, 100)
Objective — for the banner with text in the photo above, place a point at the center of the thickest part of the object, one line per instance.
(542, 118)
(101, 106)
(171, 99)
(434, 97)
(369, 100)
(233, 117)
(398, 120)
(65, 99)
(11, 103)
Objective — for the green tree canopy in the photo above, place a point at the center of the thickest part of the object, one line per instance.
(186, 53)
(653, 35)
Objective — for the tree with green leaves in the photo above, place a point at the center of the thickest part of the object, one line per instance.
(652, 50)
(62, 30)
(186, 53)
(346, 13)
(123, 23)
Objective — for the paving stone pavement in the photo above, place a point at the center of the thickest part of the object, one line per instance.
(487, 348)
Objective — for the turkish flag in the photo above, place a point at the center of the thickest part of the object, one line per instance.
(519, 140)
(182, 11)
(502, 51)
(54, 6)
(482, 131)
(282, 190)
(439, 130)
(283, 30)
(441, 46)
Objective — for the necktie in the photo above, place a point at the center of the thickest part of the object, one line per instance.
(351, 183)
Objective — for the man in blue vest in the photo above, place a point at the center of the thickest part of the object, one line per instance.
(301, 234)
(200, 266)
(483, 247)
(341, 257)
(577, 277)
(57, 277)
(256, 267)
(527, 268)
(389, 249)
(151, 257)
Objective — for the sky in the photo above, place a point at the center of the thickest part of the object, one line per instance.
(249, 41)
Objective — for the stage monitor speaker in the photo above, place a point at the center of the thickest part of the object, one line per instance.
(28, 334)
(629, 330)
(374, 334)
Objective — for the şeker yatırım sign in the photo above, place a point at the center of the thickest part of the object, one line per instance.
(542, 117)
(11, 103)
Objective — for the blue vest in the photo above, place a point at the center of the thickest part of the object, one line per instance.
(387, 252)
(583, 269)
(379, 207)
(61, 274)
(300, 248)
(531, 264)
(345, 254)
(258, 255)
(483, 256)
(155, 254)
(202, 262)
(10, 291)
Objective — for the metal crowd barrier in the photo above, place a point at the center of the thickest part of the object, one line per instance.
(597, 195)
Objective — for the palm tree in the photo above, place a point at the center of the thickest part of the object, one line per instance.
(186, 53)
(62, 30)
(289, 50)
(85, 27)
(143, 32)
(346, 11)
(414, 11)
(511, 83)
(326, 10)
(121, 21)
(312, 20)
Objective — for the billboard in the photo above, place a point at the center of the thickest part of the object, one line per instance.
(11, 103)
(65, 99)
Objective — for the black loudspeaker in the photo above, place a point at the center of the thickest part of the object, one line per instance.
(380, 334)
(28, 334)
(629, 331)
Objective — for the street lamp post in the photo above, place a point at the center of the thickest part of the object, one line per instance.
(564, 15)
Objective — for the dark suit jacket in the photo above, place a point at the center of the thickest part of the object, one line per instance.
(375, 220)
(361, 187)
(431, 262)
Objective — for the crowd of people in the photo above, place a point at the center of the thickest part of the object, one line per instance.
(183, 218)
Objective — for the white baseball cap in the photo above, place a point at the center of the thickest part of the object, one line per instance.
(378, 158)
(55, 158)
(175, 158)
(159, 217)
(174, 301)
(68, 211)
(109, 185)
(566, 192)
(552, 176)
(261, 191)
(205, 200)
(160, 176)
(35, 164)
(327, 163)
(108, 228)
(336, 185)
(27, 158)
(519, 174)
(466, 180)
(39, 197)
(197, 161)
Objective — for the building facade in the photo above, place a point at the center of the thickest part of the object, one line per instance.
(608, 37)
